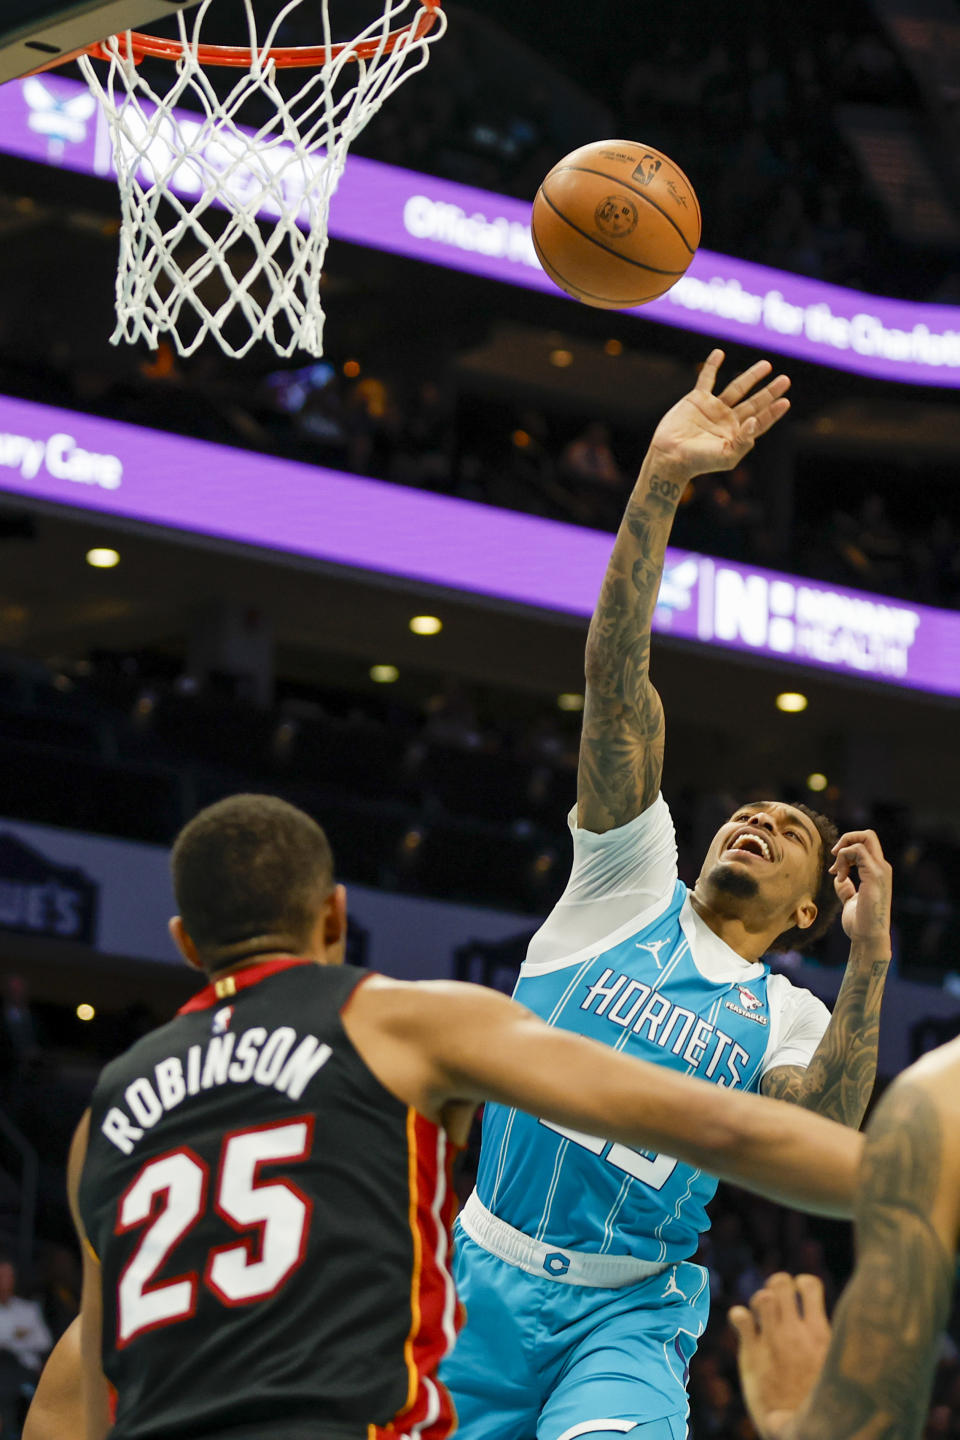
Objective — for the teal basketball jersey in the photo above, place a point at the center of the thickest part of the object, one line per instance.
(646, 996)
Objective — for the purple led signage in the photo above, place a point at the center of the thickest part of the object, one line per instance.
(54, 120)
(129, 473)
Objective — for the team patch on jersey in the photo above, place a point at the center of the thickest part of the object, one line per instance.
(749, 1005)
(220, 1023)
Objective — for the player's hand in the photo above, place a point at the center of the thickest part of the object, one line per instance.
(866, 908)
(706, 432)
(783, 1342)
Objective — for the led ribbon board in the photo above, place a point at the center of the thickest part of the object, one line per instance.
(54, 120)
(129, 473)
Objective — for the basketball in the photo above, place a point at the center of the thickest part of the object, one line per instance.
(615, 224)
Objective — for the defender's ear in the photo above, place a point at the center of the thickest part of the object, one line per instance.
(183, 942)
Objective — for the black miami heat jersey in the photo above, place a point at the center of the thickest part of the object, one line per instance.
(273, 1226)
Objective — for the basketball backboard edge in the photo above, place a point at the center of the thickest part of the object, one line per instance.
(38, 33)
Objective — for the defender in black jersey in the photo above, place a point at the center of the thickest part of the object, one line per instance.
(261, 1186)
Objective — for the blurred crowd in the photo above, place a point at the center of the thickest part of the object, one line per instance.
(460, 792)
(843, 524)
(752, 120)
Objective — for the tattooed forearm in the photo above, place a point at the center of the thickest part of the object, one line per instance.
(621, 750)
(876, 1382)
(840, 1078)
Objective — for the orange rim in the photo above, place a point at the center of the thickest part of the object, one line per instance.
(242, 57)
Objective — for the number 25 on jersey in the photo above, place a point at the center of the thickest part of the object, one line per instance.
(171, 1194)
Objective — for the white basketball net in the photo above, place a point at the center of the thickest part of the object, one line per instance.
(194, 261)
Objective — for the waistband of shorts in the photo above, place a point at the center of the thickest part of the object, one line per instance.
(549, 1262)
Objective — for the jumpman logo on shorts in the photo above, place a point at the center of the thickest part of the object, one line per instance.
(673, 1288)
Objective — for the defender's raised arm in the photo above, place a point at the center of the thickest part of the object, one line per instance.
(621, 750)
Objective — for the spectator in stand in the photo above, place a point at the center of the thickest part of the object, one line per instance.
(425, 443)
(879, 541)
(18, 1033)
(938, 572)
(59, 1287)
(734, 515)
(452, 719)
(595, 480)
(373, 424)
(24, 1344)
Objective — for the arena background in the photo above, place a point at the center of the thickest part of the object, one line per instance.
(822, 144)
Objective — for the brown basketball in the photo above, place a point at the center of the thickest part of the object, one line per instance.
(615, 224)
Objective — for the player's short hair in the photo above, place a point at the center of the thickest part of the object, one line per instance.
(825, 896)
(249, 869)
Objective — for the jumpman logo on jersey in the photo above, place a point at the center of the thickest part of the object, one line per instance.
(673, 1288)
(654, 946)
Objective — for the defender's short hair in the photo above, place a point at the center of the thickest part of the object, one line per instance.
(247, 869)
(825, 896)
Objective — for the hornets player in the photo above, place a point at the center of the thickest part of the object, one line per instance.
(573, 1253)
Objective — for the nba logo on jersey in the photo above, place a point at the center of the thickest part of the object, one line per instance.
(220, 1023)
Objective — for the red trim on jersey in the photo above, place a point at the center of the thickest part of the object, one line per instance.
(436, 1313)
(229, 985)
(355, 991)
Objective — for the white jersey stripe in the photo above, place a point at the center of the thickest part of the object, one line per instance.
(443, 1245)
(615, 1208)
(668, 968)
(505, 1142)
(502, 1157)
(586, 1427)
(552, 1190)
(433, 1409)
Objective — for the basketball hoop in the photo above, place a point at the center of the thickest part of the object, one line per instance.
(194, 261)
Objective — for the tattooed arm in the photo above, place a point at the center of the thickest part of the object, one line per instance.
(621, 750)
(878, 1368)
(839, 1080)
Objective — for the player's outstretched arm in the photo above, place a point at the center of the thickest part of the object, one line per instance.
(840, 1078)
(56, 1410)
(621, 750)
(873, 1378)
(95, 1394)
(437, 1043)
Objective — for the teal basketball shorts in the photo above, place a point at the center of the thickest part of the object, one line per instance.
(540, 1358)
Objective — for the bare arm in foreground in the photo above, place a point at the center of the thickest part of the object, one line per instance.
(872, 1379)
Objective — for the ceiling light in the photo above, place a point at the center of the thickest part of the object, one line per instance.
(561, 358)
(426, 625)
(570, 700)
(101, 557)
(384, 674)
(613, 347)
(791, 701)
(351, 369)
(817, 781)
(85, 1012)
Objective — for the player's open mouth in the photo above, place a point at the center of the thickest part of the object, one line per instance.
(751, 842)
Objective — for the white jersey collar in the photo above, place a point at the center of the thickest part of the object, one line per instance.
(713, 957)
